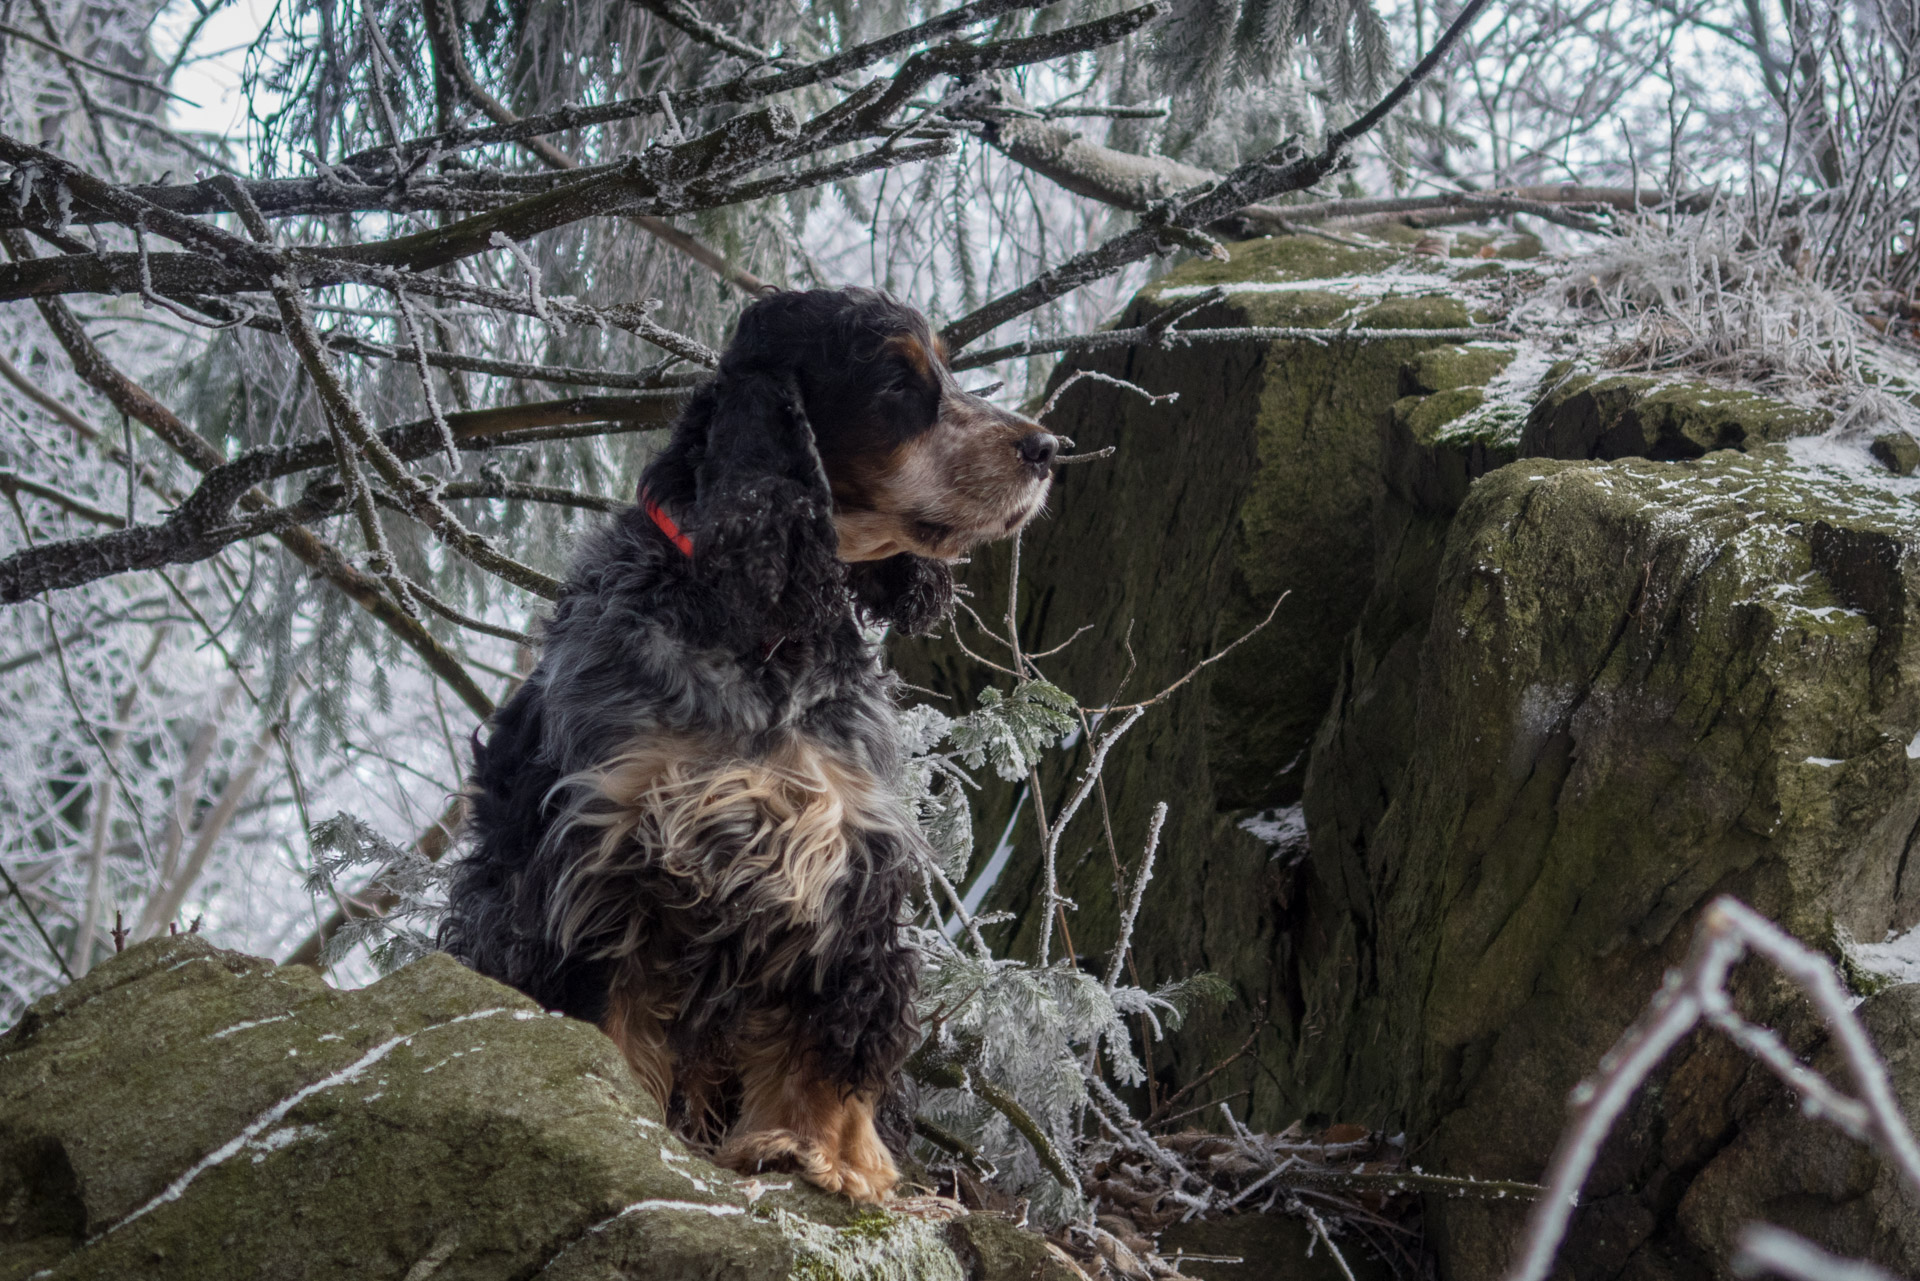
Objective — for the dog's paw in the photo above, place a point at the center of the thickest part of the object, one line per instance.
(865, 1166)
(766, 1151)
(869, 1182)
(865, 1174)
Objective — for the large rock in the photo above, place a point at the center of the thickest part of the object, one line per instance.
(1804, 1175)
(1577, 650)
(1641, 684)
(184, 1112)
(1259, 480)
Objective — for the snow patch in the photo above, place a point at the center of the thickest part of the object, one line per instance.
(1282, 830)
(241, 1027)
(1847, 457)
(1508, 396)
(718, 1211)
(1897, 959)
(672, 1160)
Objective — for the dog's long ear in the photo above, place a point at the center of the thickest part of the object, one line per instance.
(763, 533)
(911, 592)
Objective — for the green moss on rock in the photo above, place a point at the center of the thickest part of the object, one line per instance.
(1639, 684)
(1624, 416)
(1447, 368)
(1431, 311)
(1279, 258)
(1261, 480)
(186, 1112)
(1424, 416)
(1897, 451)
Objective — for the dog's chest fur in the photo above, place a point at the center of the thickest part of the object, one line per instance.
(717, 815)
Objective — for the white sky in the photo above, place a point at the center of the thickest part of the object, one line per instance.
(211, 81)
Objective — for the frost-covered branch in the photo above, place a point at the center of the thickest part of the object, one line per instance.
(1177, 221)
(1694, 993)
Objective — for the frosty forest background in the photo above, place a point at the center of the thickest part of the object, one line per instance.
(173, 734)
(523, 227)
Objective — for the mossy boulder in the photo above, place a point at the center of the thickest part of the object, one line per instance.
(1897, 451)
(1641, 416)
(1639, 685)
(1574, 651)
(1258, 482)
(192, 1113)
(1451, 367)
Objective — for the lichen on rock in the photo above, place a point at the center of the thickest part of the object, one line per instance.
(1578, 646)
(187, 1112)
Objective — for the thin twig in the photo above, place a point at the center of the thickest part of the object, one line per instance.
(1198, 667)
(1140, 880)
(13, 888)
(1083, 375)
(98, 68)
(1728, 931)
(1055, 901)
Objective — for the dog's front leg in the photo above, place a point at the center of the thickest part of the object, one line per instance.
(634, 1023)
(793, 1118)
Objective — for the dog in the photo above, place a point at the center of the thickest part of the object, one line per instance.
(686, 825)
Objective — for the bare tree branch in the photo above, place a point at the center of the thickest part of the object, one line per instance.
(444, 28)
(134, 401)
(202, 523)
(1176, 222)
(752, 87)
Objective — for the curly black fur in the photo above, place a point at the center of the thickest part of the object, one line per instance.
(754, 639)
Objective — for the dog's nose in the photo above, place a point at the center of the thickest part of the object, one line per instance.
(1039, 448)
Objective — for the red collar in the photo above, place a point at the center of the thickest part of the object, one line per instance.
(666, 525)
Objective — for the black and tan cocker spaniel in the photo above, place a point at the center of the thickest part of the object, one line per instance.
(686, 825)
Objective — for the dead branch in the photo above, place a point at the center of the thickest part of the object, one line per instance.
(1175, 222)
(1124, 179)
(444, 30)
(751, 87)
(98, 68)
(133, 400)
(1697, 992)
(1197, 668)
(681, 16)
(12, 482)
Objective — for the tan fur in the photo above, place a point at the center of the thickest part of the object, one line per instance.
(947, 490)
(915, 351)
(792, 1119)
(775, 828)
(637, 1028)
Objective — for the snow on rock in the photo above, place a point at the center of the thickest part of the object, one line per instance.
(184, 1112)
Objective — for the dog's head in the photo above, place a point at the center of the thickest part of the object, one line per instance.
(916, 463)
(835, 445)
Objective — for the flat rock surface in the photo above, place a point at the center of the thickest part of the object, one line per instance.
(1642, 684)
(193, 1113)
